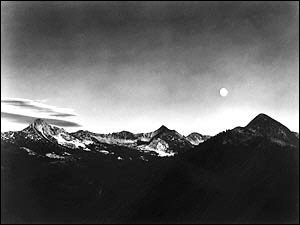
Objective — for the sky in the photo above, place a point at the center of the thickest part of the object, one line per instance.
(113, 66)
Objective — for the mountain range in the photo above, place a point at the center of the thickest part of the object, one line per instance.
(246, 174)
(163, 141)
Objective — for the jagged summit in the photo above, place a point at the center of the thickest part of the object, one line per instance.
(160, 131)
(39, 128)
(40, 124)
(39, 121)
(163, 128)
(34, 124)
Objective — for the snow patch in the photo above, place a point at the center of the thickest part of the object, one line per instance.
(103, 151)
(117, 141)
(279, 142)
(159, 146)
(54, 156)
(59, 135)
(29, 151)
(87, 142)
(66, 153)
(143, 158)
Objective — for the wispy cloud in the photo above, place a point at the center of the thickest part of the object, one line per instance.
(37, 106)
(21, 110)
(29, 119)
(62, 114)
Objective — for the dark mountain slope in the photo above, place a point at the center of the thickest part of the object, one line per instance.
(239, 176)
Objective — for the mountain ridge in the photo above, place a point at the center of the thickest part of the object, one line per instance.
(238, 175)
(163, 141)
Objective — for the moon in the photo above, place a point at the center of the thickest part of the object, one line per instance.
(223, 92)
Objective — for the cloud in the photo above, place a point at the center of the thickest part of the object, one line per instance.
(38, 106)
(62, 114)
(29, 119)
(24, 111)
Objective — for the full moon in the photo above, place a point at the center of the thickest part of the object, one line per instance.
(223, 92)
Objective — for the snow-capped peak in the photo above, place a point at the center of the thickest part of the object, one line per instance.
(39, 122)
(57, 135)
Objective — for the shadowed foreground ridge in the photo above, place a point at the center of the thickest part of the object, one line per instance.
(245, 175)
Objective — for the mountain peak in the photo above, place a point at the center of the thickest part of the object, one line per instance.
(124, 135)
(262, 116)
(194, 134)
(43, 127)
(263, 121)
(163, 128)
(196, 138)
(39, 122)
(267, 126)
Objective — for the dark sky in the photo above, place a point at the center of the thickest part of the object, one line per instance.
(136, 65)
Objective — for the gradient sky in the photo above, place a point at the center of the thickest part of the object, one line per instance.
(112, 66)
